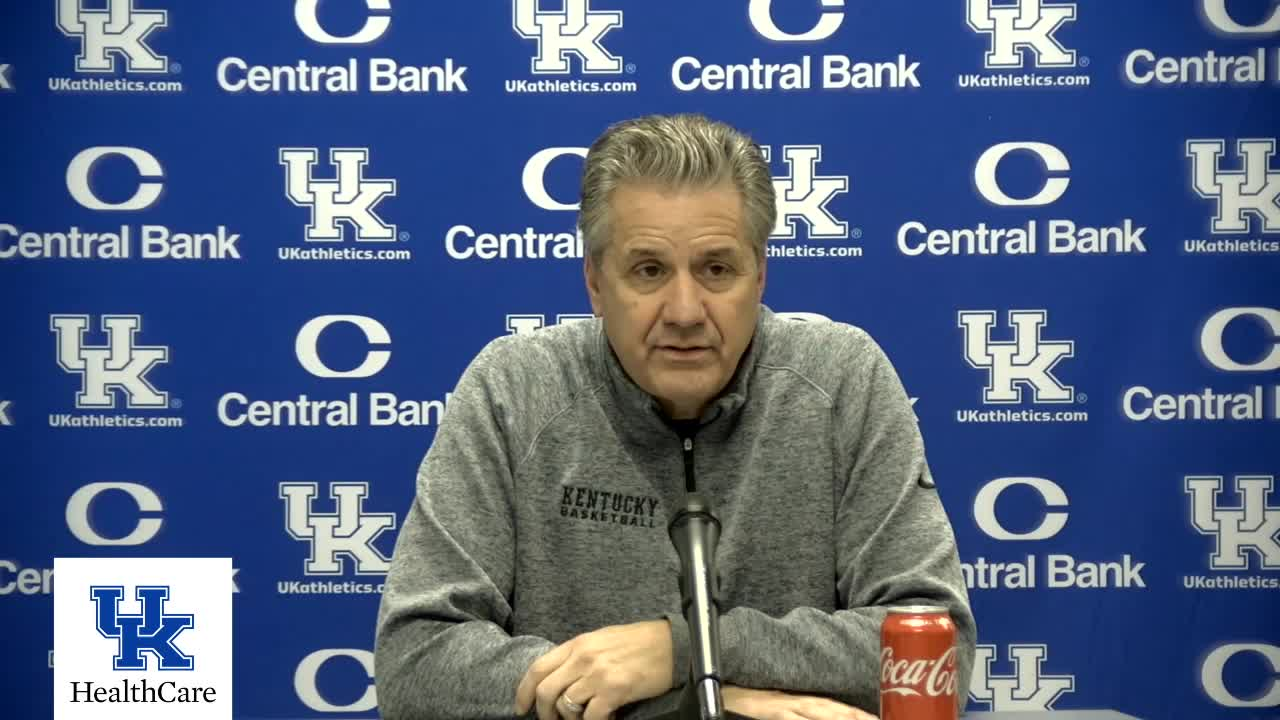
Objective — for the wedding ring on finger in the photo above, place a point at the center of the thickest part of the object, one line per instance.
(573, 707)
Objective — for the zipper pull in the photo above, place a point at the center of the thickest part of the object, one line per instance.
(688, 444)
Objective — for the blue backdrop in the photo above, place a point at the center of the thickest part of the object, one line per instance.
(1060, 219)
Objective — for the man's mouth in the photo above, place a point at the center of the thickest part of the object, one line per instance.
(684, 351)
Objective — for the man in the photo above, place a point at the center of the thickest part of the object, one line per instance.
(534, 572)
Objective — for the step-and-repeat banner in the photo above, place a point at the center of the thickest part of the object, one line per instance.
(247, 248)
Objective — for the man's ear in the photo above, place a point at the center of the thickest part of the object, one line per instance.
(592, 276)
(760, 278)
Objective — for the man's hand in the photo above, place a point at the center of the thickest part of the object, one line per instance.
(778, 705)
(602, 670)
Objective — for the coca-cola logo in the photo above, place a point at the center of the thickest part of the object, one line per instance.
(919, 676)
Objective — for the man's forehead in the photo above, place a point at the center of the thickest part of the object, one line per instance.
(641, 201)
(717, 247)
(651, 219)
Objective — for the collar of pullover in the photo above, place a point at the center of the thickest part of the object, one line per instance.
(634, 401)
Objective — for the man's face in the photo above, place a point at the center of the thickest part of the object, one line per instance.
(679, 290)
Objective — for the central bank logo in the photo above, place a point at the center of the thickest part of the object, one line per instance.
(1051, 237)
(828, 71)
(1028, 688)
(984, 508)
(1214, 682)
(305, 13)
(351, 75)
(109, 371)
(1248, 529)
(1258, 353)
(1024, 363)
(575, 30)
(346, 533)
(803, 195)
(1213, 335)
(1026, 25)
(349, 197)
(306, 346)
(81, 509)
(354, 408)
(149, 633)
(141, 189)
(761, 16)
(1235, 67)
(79, 514)
(1215, 12)
(150, 174)
(118, 31)
(1028, 570)
(534, 177)
(1055, 163)
(1247, 188)
(307, 675)
(549, 180)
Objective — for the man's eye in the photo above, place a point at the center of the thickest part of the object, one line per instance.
(717, 270)
(648, 271)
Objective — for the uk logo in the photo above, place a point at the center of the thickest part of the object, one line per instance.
(803, 195)
(350, 197)
(120, 365)
(119, 30)
(151, 632)
(523, 324)
(1253, 525)
(1028, 688)
(5, 82)
(1026, 362)
(1250, 189)
(6, 420)
(574, 30)
(1024, 25)
(348, 532)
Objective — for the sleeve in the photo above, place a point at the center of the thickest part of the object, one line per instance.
(443, 647)
(894, 546)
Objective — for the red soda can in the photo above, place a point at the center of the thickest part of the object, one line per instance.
(918, 664)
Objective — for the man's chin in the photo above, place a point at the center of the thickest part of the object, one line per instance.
(686, 394)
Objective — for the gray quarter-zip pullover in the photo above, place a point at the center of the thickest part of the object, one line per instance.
(542, 506)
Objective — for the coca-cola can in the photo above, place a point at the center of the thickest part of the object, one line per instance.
(918, 664)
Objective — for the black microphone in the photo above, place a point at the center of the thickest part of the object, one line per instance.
(695, 531)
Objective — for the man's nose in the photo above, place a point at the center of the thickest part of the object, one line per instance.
(684, 302)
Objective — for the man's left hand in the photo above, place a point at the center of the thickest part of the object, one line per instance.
(601, 670)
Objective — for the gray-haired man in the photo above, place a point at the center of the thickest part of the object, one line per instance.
(534, 571)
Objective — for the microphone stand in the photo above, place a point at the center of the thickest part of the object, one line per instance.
(695, 531)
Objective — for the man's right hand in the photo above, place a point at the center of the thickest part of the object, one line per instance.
(778, 705)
